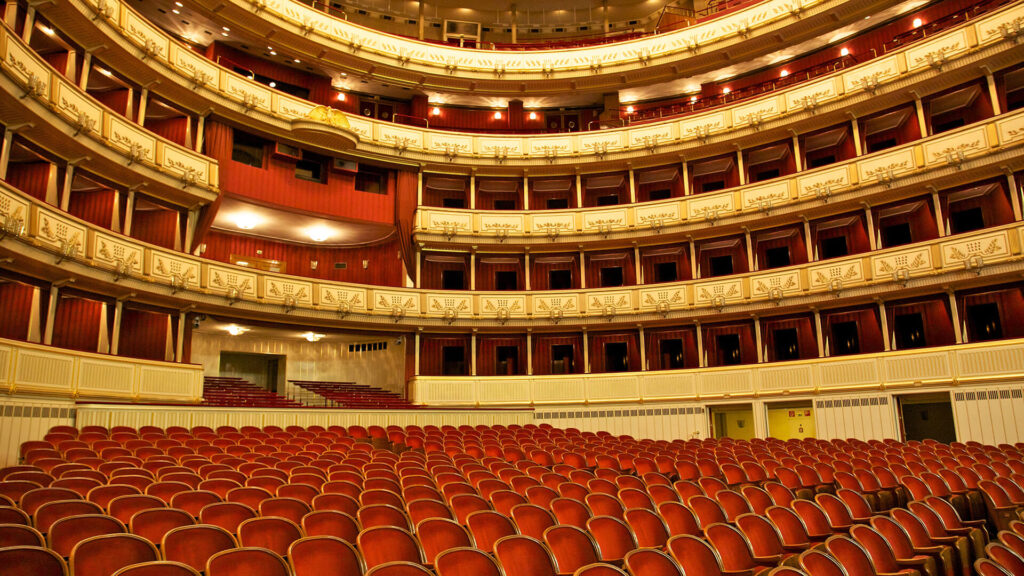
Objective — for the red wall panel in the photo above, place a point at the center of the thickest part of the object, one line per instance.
(77, 324)
(597, 350)
(32, 178)
(143, 334)
(159, 227)
(174, 129)
(15, 310)
(95, 206)
(487, 354)
(542, 348)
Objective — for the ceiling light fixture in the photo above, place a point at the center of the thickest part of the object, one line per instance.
(272, 84)
(497, 115)
(312, 336)
(726, 90)
(247, 220)
(179, 4)
(693, 98)
(629, 109)
(176, 11)
(236, 330)
(784, 73)
(225, 28)
(47, 30)
(319, 233)
(533, 115)
(105, 72)
(435, 111)
(297, 61)
(917, 22)
(844, 52)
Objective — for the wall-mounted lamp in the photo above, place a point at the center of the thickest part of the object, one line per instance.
(313, 264)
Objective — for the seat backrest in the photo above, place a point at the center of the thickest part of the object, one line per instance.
(855, 503)
(613, 536)
(524, 556)
(19, 535)
(439, 534)
(382, 544)
(152, 524)
(331, 523)
(246, 562)
(986, 567)
(758, 499)
(817, 563)
(570, 511)
(732, 546)
(323, 556)
(488, 526)
(694, 555)
(271, 532)
(813, 516)
(931, 520)
(762, 535)
(572, 547)
(599, 569)
(1013, 541)
(707, 510)
(157, 568)
(1005, 557)
(50, 512)
(605, 505)
(532, 520)
(679, 519)
(877, 547)
(650, 530)
(31, 561)
(652, 562)
(897, 538)
(790, 525)
(105, 554)
(194, 545)
(463, 562)
(851, 555)
(65, 533)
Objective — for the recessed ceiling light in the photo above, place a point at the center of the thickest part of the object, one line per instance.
(272, 53)
(319, 233)
(179, 4)
(247, 220)
(341, 96)
(236, 330)
(224, 34)
(297, 61)
(312, 336)
(47, 30)
(226, 29)
(176, 11)
(105, 72)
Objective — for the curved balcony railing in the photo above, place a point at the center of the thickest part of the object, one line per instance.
(199, 84)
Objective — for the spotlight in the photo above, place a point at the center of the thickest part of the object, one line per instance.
(844, 52)
(435, 111)
(497, 115)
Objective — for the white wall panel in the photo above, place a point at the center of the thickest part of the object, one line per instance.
(24, 419)
(865, 417)
(659, 422)
(992, 415)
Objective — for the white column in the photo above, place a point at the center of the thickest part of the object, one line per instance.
(115, 339)
(65, 192)
(808, 241)
(922, 123)
(686, 179)
(750, 249)
(472, 354)
(701, 360)
(741, 166)
(639, 271)
(694, 269)
(11, 14)
(822, 349)
(643, 349)
(858, 147)
(30, 23)
(954, 311)
(1014, 195)
(179, 348)
(884, 320)
(416, 355)
(129, 211)
(526, 270)
(797, 156)
(526, 191)
(143, 104)
(51, 313)
(872, 239)
(190, 228)
(83, 80)
(200, 132)
(419, 187)
(529, 353)
(940, 220)
(586, 353)
(761, 357)
(5, 153)
(579, 190)
(583, 271)
(993, 92)
(472, 190)
(632, 186)
(472, 270)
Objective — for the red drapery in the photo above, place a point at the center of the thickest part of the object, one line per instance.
(542, 265)
(650, 258)
(596, 261)
(659, 179)
(116, 100)
(77, 323)
(980, 108)
(854, 231)
(383, 264)
(143, 334)
(432, 354)
(908, 131)
(542, 352)
(159, 227)
(736, 248)
(489, 265)
(935, 316)
(844, 149)
(807, 346)
(657, 358)
(15, 309)
(869, 330)
(489, 192)
(766, 158)
(319, 87)
(95, 206)
(916, 212)
(435, 265)
(405, 212)
(32, 178)
(275, 183)
(1010, 302)
(613, 184)
(718, 169)
(487, 355)
(990, 197)
(789, 238)
(437, 189)
(558, 188)
(717, 356)
(174, 129)
(598, 341)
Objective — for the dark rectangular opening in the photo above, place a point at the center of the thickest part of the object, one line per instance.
(559, 279)
(834, 247)
(661, 194)
(506, 280)
(609, 200)
(453, 203)
(561, 359)
(611, 276)
(896, 235)
(767, 174)
(310, 168)
(453, 361)
(776, 257)
(616, 357)
(720, 265)
(504, 204)
(845, 338)
(558, 203)
(819, 161)
(909, 331)
(728, 349)
(506, 361)
(247, 148)
(946, 125)
(786, 344)
(672, 354)
(371, 179)
(665, 272)
(983, 322)
(712, 186)
(883, 144)
(453, 280)
(966, 220)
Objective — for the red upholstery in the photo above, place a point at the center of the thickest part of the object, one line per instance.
(324, 555)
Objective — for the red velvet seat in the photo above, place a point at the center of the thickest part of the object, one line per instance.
(152, 524)
(464, 562)
(20, 535)
(195, 545)
(324, 556)
(399, 569)
(105, 554)
(695, 556)
(227, 515)
(735, 552)
(382, 544)
(650, 530)
(816, 563)
(436, 535)
(524, 556)
(856, 560)
(271, 532)
(246, 562)
(572, 548)
(488, 526)
(31, 561)
(613, 536)
(65, 533)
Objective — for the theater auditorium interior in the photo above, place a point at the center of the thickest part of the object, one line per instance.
(512, 288)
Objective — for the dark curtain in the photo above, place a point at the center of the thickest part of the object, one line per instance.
(807, 346)
(319, 87)
(95, 207)
(935, 316)
(616, 184)
(32, 178)
(487, 266)
(143, 334)
(734, 247)
(542, 265)
(747, 349)
(856, 233)
(1010, 302)
(730, 177)
(432, 353)
(434, 266)
(174, 129)
(921, 219)
(651, 257)
(989, 197)
(791, 238)
(657, 361)
(672, 183)
(487, 354)
(437, 190)
(77, 323)
(869, 330)
(598, 361)
(542, 351)
(600, 260)
(158, 227)
(116, 100)
(15, 310)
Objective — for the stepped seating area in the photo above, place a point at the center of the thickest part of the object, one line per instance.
(503, 501)
(352, 395)
(238, 392)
